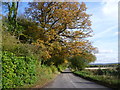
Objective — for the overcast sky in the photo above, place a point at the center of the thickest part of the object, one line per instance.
(105, 26)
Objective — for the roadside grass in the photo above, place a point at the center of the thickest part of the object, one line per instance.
(41, 81)
(44, 75)
(44, 80)
(108, 80)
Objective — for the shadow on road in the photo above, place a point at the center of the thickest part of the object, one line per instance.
(66, 72)
(85, 82)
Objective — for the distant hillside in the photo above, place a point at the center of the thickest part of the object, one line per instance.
(104, 65)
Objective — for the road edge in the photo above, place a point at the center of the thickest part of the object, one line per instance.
(96, 81)
(50, 81)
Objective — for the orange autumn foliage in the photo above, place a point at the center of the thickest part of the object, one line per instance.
(63, 28)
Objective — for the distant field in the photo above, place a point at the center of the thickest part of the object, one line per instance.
(104, 65)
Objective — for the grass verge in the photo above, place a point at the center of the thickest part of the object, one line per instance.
(41, 82)
(45, 75)
(108, 81)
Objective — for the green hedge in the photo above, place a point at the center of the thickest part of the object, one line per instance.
(17, 71)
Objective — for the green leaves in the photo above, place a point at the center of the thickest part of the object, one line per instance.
(17, 71)
(78, 62)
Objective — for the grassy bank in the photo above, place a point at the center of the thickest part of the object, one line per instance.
(43, 78)
(20, 72)
(21, 65)
(105, 77)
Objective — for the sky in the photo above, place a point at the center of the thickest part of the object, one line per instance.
(105, 28)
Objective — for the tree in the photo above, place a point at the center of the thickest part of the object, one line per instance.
(65, 24)
(11, 20)
(58, 18)
(78, 62)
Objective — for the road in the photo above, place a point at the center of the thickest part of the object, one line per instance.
(68, 80)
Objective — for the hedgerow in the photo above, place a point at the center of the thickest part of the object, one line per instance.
(17, 71)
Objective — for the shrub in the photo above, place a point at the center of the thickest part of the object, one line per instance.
(17, 71)
(11, 44)
(78, 62)
(62, 67)
(118, 70)
(100, 72)
(53, 69)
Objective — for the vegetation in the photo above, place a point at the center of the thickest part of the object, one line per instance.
(105, 65)
(20, 61)
(22, 70)
(79, 62)
(107, 77)
(50, 37)
(54, 34)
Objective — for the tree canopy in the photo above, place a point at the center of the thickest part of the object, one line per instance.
(62, 27)
(59, 29)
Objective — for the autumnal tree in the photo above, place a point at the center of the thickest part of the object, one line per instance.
(63, 26)
(58, 18)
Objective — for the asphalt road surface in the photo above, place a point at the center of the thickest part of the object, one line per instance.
(68, 80)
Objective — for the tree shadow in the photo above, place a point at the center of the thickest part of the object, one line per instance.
(85, 82)
(66, 72)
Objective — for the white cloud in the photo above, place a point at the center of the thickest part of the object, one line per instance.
(105, 26)
(105, 32)
(110, 8)
(106, 51)
(107, 58)
(117, 33)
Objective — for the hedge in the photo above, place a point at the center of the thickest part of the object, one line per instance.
(17, 71)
